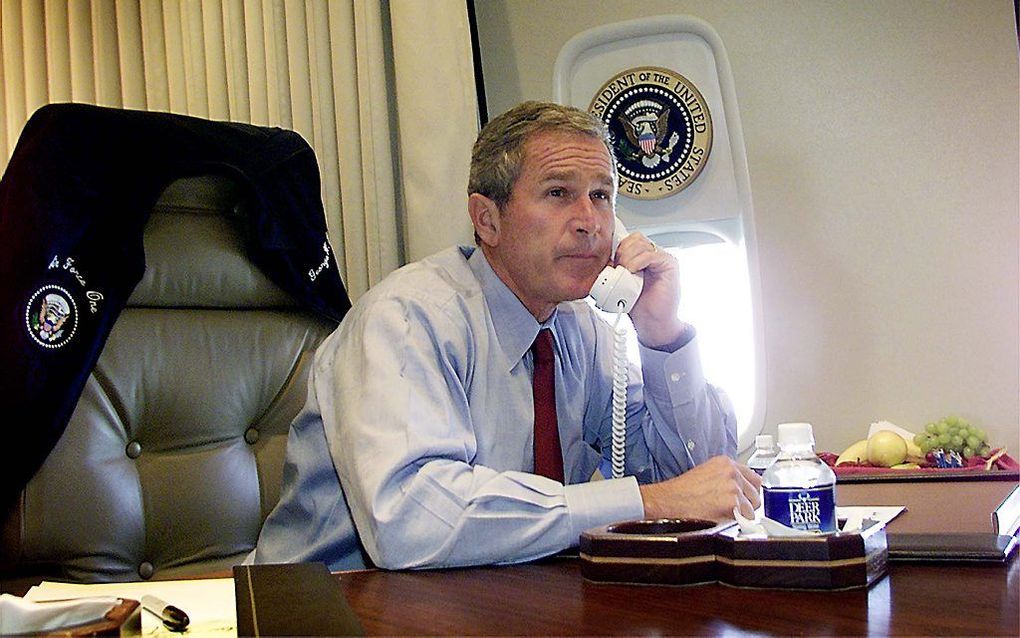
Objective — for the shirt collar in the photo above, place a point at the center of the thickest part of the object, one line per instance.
(514, 326)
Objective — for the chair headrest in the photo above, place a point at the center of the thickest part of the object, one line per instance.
(195, 253)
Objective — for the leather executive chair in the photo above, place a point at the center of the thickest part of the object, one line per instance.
(174, 454)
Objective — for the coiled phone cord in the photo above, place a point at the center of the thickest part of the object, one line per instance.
(619, 412)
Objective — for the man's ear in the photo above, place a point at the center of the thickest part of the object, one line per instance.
(485, 218)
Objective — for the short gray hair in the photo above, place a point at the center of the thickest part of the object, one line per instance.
(498, 154)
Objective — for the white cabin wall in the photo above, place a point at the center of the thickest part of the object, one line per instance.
(883, 143)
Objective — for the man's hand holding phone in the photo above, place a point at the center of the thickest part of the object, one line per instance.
(655, 314)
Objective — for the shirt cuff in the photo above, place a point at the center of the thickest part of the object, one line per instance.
(602, 502)
(675, 377)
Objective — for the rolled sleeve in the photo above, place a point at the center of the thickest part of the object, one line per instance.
(681, 380)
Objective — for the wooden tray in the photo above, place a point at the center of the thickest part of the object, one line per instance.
(688, 552)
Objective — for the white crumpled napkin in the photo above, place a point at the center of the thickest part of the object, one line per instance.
(19, 616)
(855, 519)
(765, 526)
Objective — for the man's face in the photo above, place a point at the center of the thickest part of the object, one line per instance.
(554, 235)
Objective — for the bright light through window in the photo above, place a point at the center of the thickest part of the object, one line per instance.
(715, 297)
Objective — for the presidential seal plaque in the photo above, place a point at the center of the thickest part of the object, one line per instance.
(660, 127)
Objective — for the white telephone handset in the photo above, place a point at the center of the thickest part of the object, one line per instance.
(616, 288)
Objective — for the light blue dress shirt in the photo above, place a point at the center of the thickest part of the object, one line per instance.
(414, 448)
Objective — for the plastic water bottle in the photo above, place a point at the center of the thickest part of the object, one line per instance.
(764, 453)
(799, 488)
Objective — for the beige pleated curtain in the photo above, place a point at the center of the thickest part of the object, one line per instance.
(382, 90)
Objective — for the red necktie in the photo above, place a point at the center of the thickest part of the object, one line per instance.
(548, 459)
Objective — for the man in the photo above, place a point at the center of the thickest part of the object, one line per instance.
(415, 448)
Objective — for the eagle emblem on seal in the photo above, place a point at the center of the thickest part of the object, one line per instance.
(51, 316)
(645, 124)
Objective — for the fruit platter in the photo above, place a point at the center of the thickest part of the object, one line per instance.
(949, 444)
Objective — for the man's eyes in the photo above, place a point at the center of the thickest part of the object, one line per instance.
(563, 192)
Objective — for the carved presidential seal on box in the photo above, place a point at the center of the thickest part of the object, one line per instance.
(661, 130)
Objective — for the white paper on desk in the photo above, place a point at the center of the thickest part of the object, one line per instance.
(855, 515)
(22, 616)
(209, 603)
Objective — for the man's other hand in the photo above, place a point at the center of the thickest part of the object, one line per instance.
(709, 491)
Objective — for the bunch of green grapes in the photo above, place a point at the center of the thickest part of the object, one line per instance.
(953, 434)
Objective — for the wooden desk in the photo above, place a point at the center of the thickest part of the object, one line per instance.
(551, 597)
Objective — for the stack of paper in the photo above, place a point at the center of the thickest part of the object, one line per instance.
(209, 603)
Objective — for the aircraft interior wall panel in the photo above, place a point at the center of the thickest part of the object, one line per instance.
(883, 146)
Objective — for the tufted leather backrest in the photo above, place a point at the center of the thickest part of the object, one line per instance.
(174, 454)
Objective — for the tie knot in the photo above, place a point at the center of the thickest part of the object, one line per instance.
(543, 346)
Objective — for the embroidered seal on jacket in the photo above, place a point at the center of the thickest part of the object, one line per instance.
(51, 316)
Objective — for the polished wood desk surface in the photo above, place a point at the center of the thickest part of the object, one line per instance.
(551, 598)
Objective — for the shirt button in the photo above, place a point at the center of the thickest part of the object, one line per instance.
(691, 445)
(675, 377)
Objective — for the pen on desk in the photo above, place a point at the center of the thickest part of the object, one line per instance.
(173, 618)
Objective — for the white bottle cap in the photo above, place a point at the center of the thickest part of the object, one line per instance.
(763, 442)
(796, 434)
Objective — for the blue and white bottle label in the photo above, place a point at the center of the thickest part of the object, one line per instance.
(806, 509)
